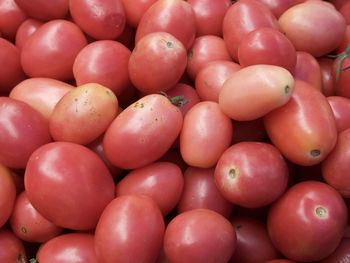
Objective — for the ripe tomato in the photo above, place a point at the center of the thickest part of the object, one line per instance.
(12, 248)
(135, 9)
(326, 66)
(341, 110)
(25, 30)
(11, 17)
(7, 194)
(279, 7)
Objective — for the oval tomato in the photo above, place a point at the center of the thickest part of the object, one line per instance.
(7, 194)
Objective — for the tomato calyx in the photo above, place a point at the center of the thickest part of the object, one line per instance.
(341, 58)
(21, 258)
(33, 260)
(178, 101)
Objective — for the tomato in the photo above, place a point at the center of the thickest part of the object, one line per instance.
(104, 62)
(68, 184)
(243, 17)
(313, 216)
(100, 19)
(28, 224)
(12, 248)
(268, 86)
(252, 236)
(134, 139)
(91, 106)
(303, 32)
(267, 46)
(340, 254)
(25, 30)
(151, 180)
(200, 191)
(251, 174)
(341, 110)
(7, 194)
(67, 248)
(206, 133)
(343, 7)
(212, 76)
(22, 129)
(51, 50)
(279, 7)
(204, 50)
(41, 94)
(342, 77)
(135, 9)
(130, 229)
(346, 40)
(11, 17)
(199, 236)
(12, 74)
(304, 129)
(175, 17)
(326, 66)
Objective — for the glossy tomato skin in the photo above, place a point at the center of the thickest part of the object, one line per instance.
(341, 82)
(12, 248)
(206, 133)
(142, 132)
(23, 130)
(11, 17)
(328, 85)
(341, 110)
(200, 191)
(135, 9)
(152, 180)
(29, 225)
(100, 19)
(199, 235)
(104, 62)
(130, 229)
(68, 184)
(59, 249)
(25, 30)
(41, 94)
(251, 174)
(51, 50)
(267, 46)
(175, 17)
(252, 236)
(340, 254)
(314, 223)
(165, 58)
(279, 7)
(243, 17)
(308, 122)
(7, 194)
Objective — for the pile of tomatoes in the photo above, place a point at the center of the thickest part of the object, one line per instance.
(171, 131)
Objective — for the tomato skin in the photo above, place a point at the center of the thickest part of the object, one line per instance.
(25, 30)
(315, 222)
(59, 249)
(151, 180)
(22, 130)
(341, 110)
(7, 194)
(135, 9)
(11, 17)
(28, 224)
(268, 86)
(252, 236)
(346, 39)
(130, 229)
(207, 130)
(251, 174)
(41, 94)
(12, 248)
(199, 235)
(328, 85)
(342, 83)
(302, 33)
(246, 15)
(279, 7)
(267, 46)
(133, 139)
(104, 62)
(165, 58)
(308, 121)
(340, 254)
(200, 191)
(50, 52)
(175, 17)
(64, 182)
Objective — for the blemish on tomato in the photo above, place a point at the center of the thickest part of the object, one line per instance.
(232, 173)
(24, 230)
(287, 89)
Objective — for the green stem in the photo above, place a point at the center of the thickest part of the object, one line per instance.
(178, 101)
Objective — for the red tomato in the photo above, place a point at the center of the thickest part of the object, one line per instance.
(314, 224)
(12, 248)
(68, 248)
(303, 32)
(267, 46)
(304, 129)
(243, 17)
(22, 129)
(206, 133)
(29, 225)
(346, 39)
(134, 139)
(7, 194)
(342, 76)
(135, 9)
(25, 30)
(130, 229)
(343, 7)
(51, 50)
(104, 62)
(279, 7)
(251, 174)
(326, 66)
(175, 17)
(200, 191)
(340, 254)
(68, 184)
(151, 180)
(252, 236)
(205, 49)
(341, 110)
(199, 236)
(11, 17)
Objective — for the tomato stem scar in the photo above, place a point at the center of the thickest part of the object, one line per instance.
(315, 152)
